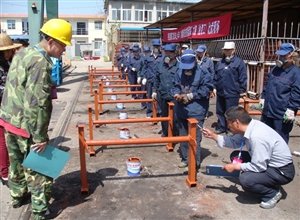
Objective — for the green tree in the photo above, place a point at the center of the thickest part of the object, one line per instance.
(110, 31)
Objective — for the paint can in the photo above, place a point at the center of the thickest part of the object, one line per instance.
(124, 133)
(123, 115)
(107, 83)
(133, 166)
(110, 90)
(104, 77)
(120, 106)
(113, 97)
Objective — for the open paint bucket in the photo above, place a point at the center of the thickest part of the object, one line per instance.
(124, 133)
(120, 106)
(113, 97)
(123, 115)
(133, 166)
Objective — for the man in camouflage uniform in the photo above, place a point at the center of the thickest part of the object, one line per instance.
(25, 114)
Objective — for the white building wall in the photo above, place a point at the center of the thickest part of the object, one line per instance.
(18, 26)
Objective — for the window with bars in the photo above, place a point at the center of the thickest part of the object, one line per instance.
(98, 25)
(11, 24)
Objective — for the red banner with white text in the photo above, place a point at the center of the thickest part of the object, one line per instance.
(208, 28)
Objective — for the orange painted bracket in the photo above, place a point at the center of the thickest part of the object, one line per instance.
(83, 172)
(190, 180)
(192, 173)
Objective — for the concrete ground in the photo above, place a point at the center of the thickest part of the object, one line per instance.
(162, 193)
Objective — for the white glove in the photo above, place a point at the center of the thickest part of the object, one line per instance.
(125, 69)
(154, 95)
(215, 92)
(139, 79)
(144, 81)
(289, 116)
(133, 69)
(261, 104)
(122, 65)
(189, 96)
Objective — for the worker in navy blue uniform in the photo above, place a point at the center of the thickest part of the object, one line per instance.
(204, 60)
(126, 54)
(151, 63)
(146, 51)
(280, 98)
(163, 85)
(134, 65)
(230, 81)
(120, 59)
(192, 87)
(163, 48)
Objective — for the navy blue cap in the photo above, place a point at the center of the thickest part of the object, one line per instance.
(187, 61)
(131, 47)
(122, 49)
(136, 45)
(170, 47)
(201, 48)
(285, 48)
(126, 47)
(156, 42)
(136, 48)
(146, 48)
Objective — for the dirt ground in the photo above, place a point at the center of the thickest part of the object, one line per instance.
(163, 194)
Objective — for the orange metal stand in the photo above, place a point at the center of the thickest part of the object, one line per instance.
(100, 102)
(154, 120)
(191, 138)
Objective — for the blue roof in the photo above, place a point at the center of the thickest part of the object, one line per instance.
(137, 29)
(25, 37)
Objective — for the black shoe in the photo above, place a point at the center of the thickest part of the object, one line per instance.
(24, 200)
(160, 132)
(4, 181)
(164, 135)
(53, 213)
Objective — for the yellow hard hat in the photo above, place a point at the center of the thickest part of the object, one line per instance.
(58, 29)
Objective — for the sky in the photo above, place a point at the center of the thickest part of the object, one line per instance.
(64, 6)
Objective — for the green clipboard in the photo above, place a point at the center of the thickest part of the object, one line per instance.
(50, 162)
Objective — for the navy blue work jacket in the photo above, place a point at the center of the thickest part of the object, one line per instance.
(281, 91)
(150, 66)
(200, 84)
(230, 79)
(164, 80)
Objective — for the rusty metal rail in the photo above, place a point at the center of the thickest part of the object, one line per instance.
(191, 138)
(93, 73)
(120, 81)
(101, 87)
(247, 102)
(154, 120)
(99, 108)
(98, 102)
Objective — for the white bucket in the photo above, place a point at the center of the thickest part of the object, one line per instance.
(104, 77)
(113, 97)
(124, 133)
(133, 166)
(110, 90)
(107, 83)
(120, 106)
(123, 115)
